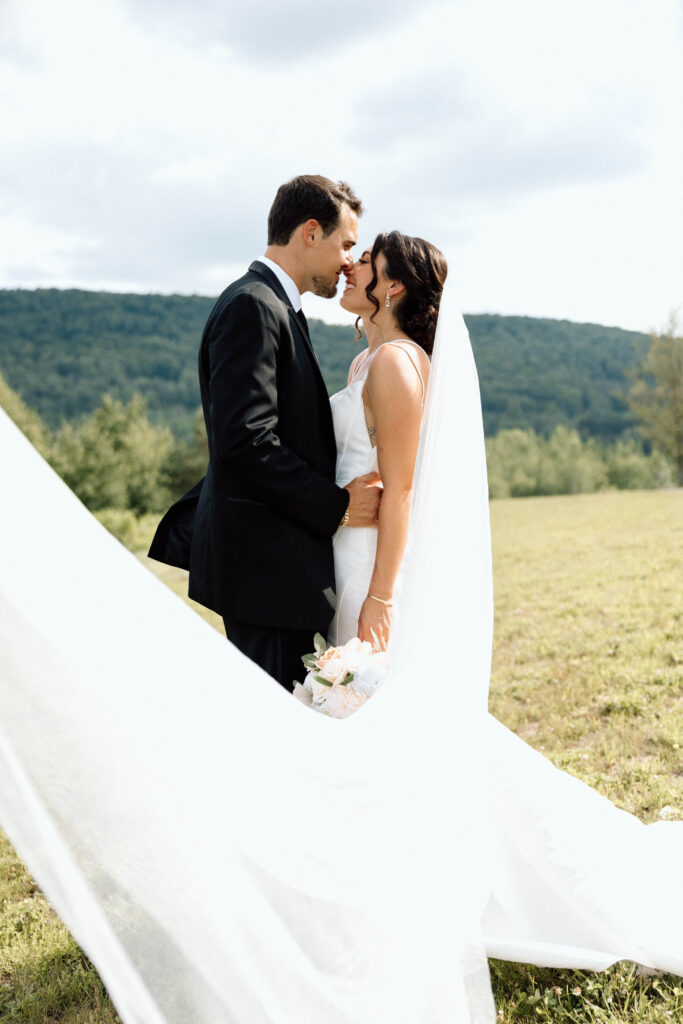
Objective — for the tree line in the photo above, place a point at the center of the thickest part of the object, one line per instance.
(522, 463)
(117, 458)
(62, 349)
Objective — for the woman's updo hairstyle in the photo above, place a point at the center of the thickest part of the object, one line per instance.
(422, 269)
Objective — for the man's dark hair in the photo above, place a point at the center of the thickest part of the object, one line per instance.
(309, 197)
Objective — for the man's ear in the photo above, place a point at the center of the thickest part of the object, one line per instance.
(311, 232)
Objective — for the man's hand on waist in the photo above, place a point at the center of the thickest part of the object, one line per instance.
(365, 495)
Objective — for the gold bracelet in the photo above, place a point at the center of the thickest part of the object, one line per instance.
(345, 518)
(381, 600)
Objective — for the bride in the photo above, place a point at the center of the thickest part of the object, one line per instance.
(566, 862)
(395, 289)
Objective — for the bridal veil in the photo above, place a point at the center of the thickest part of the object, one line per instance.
(223, 854)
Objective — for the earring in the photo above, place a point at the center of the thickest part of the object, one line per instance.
(387, 301)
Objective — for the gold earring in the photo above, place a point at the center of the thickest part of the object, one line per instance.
(387, 301)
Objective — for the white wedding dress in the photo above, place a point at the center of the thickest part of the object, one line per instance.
(575, 882)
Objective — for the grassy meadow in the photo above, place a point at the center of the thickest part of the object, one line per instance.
(587, 667)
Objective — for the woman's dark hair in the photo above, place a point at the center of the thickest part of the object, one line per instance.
(422, 268)
(309, 197)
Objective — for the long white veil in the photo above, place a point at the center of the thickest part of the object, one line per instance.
(222, 853)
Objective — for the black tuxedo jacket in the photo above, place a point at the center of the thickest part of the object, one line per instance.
(256, 532)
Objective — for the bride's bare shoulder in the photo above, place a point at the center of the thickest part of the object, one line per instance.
(397, 356)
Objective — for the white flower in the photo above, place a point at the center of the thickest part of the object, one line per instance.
(319, 691)
(342, 701)
(668, 813)
(368, 677)
(334, 671)
(355, 652)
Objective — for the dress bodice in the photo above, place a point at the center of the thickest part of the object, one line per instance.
(355, 453)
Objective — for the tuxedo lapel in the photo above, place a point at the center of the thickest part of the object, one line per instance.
(296, 324)
(303, 333)
(302, 330)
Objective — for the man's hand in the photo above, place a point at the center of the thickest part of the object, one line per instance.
(366, 494)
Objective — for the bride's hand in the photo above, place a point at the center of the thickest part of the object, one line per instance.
(375, 617)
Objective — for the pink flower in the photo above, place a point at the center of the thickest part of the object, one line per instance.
(331, 652)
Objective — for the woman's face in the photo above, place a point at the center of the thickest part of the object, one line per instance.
(358, 277)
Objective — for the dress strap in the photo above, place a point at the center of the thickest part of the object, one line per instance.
(357, 366)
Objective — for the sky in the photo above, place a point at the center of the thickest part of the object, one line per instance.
(538, 144)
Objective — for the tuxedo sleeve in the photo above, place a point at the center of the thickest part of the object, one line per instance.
(243, 395)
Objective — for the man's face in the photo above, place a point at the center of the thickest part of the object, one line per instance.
(332, 255)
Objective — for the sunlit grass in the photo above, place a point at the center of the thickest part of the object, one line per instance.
(588, 668)
(588, 651)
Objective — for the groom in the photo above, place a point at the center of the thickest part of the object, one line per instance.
(256, 532)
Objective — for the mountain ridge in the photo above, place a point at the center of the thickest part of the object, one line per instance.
(62, 349)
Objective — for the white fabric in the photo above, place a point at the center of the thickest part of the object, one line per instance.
(575, 881)
(291, 290)
(220, 851)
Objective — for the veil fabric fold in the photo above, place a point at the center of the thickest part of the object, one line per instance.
(222, 853)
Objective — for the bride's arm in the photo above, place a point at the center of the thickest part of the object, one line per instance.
(394, 392)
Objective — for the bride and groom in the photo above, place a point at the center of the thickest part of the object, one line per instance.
(287, 535)
(288, 472)
(222, 853)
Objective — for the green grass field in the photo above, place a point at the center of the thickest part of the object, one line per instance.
(587, 667)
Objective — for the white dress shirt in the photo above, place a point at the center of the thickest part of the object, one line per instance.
(291, 290)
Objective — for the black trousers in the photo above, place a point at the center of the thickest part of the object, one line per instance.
(278, 651)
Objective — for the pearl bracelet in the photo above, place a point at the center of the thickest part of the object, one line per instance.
(381, 600)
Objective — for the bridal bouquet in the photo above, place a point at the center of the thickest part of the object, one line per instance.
(340, 679)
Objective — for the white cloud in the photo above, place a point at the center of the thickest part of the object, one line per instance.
(269, 33)
(144, 143)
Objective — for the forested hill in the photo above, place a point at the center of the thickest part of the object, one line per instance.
(62, 350)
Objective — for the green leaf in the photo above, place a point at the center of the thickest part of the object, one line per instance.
(345, 682)
(325, 682)
(309, 660)
(320, 644)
